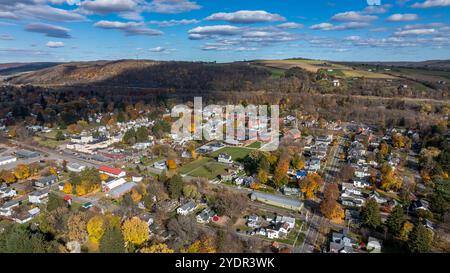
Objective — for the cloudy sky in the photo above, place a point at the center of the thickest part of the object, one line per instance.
(224, 30)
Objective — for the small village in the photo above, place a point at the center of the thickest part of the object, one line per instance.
(330, 187)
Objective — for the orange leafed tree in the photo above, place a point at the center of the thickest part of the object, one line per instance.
(310, 185)
(172, 164)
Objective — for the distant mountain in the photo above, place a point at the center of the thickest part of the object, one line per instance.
(146, 74)
(15, 68)
(431, 64)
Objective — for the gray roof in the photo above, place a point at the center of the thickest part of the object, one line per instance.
(188, 206)
(277, 199)
(26, 153)
(4, 158)
(47, 179)
(122, 189)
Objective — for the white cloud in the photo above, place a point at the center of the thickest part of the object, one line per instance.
(157, 49)
(171, 6)
(108, 6)
(129, 28)
(353, 16)
(170, 23)
(346, 26)
(49, 30)
(52, 44)
(208, 31)
(290, 26)
(246, 17)
(415, 32)
(402, 17)
(377, 9)
(432, 4)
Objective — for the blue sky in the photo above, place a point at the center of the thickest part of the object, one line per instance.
(224, 30)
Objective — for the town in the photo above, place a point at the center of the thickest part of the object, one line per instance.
(331, 186)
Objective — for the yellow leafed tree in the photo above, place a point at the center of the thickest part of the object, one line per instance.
(96, 228)
(67, 189)
(22, 171)
(135, 231)
(159, 248)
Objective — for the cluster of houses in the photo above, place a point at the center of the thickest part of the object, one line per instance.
(317, 151)
(342, 242)
(271, 227)
(204, 217)
(23, 208)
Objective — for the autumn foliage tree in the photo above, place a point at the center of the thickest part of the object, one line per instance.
(22, 171)
(329, 207)
(135, 231)
(158, 248)
(76, 228)
(390, 180)
(280, 177)
(67, 189)
(96, 228)
(310, 185)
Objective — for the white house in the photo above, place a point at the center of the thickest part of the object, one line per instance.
(225, 158)
(187, 208)
(361, 183)
(336, 83)
(75, 167)
(7, 192)
(38, 197)
(161, 165)
(7, 160)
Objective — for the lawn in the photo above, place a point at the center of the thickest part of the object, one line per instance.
(194, 165)
(255, 145)
(236, 153)
(49, 143)
(210, 170)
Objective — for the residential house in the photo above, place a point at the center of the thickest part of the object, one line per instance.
(7, 160)
(378, 198)
(7, 208)
(38, 197)
(205, 216)
(253, 221)
(7, 192)
(187, 208)
(161, 165)
(341, 243)
(225, 158)
(26, 154)
(75, 167)
(45, 181)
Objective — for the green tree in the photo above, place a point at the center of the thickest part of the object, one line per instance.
(112, 241)
(395, 220)
(420, 239)
(59, 136)
(141, 134)
(129, 137)
(371, 214)
(175, 186)
(55, 202)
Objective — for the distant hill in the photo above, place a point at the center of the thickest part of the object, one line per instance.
(431, 64)
(15, 68)
(146, 74)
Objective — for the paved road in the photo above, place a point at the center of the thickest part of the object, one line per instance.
(316, 223)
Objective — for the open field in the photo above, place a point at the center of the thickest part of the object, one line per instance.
(339, 70)
(236, 153)
(186, 169)
(210, 170)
